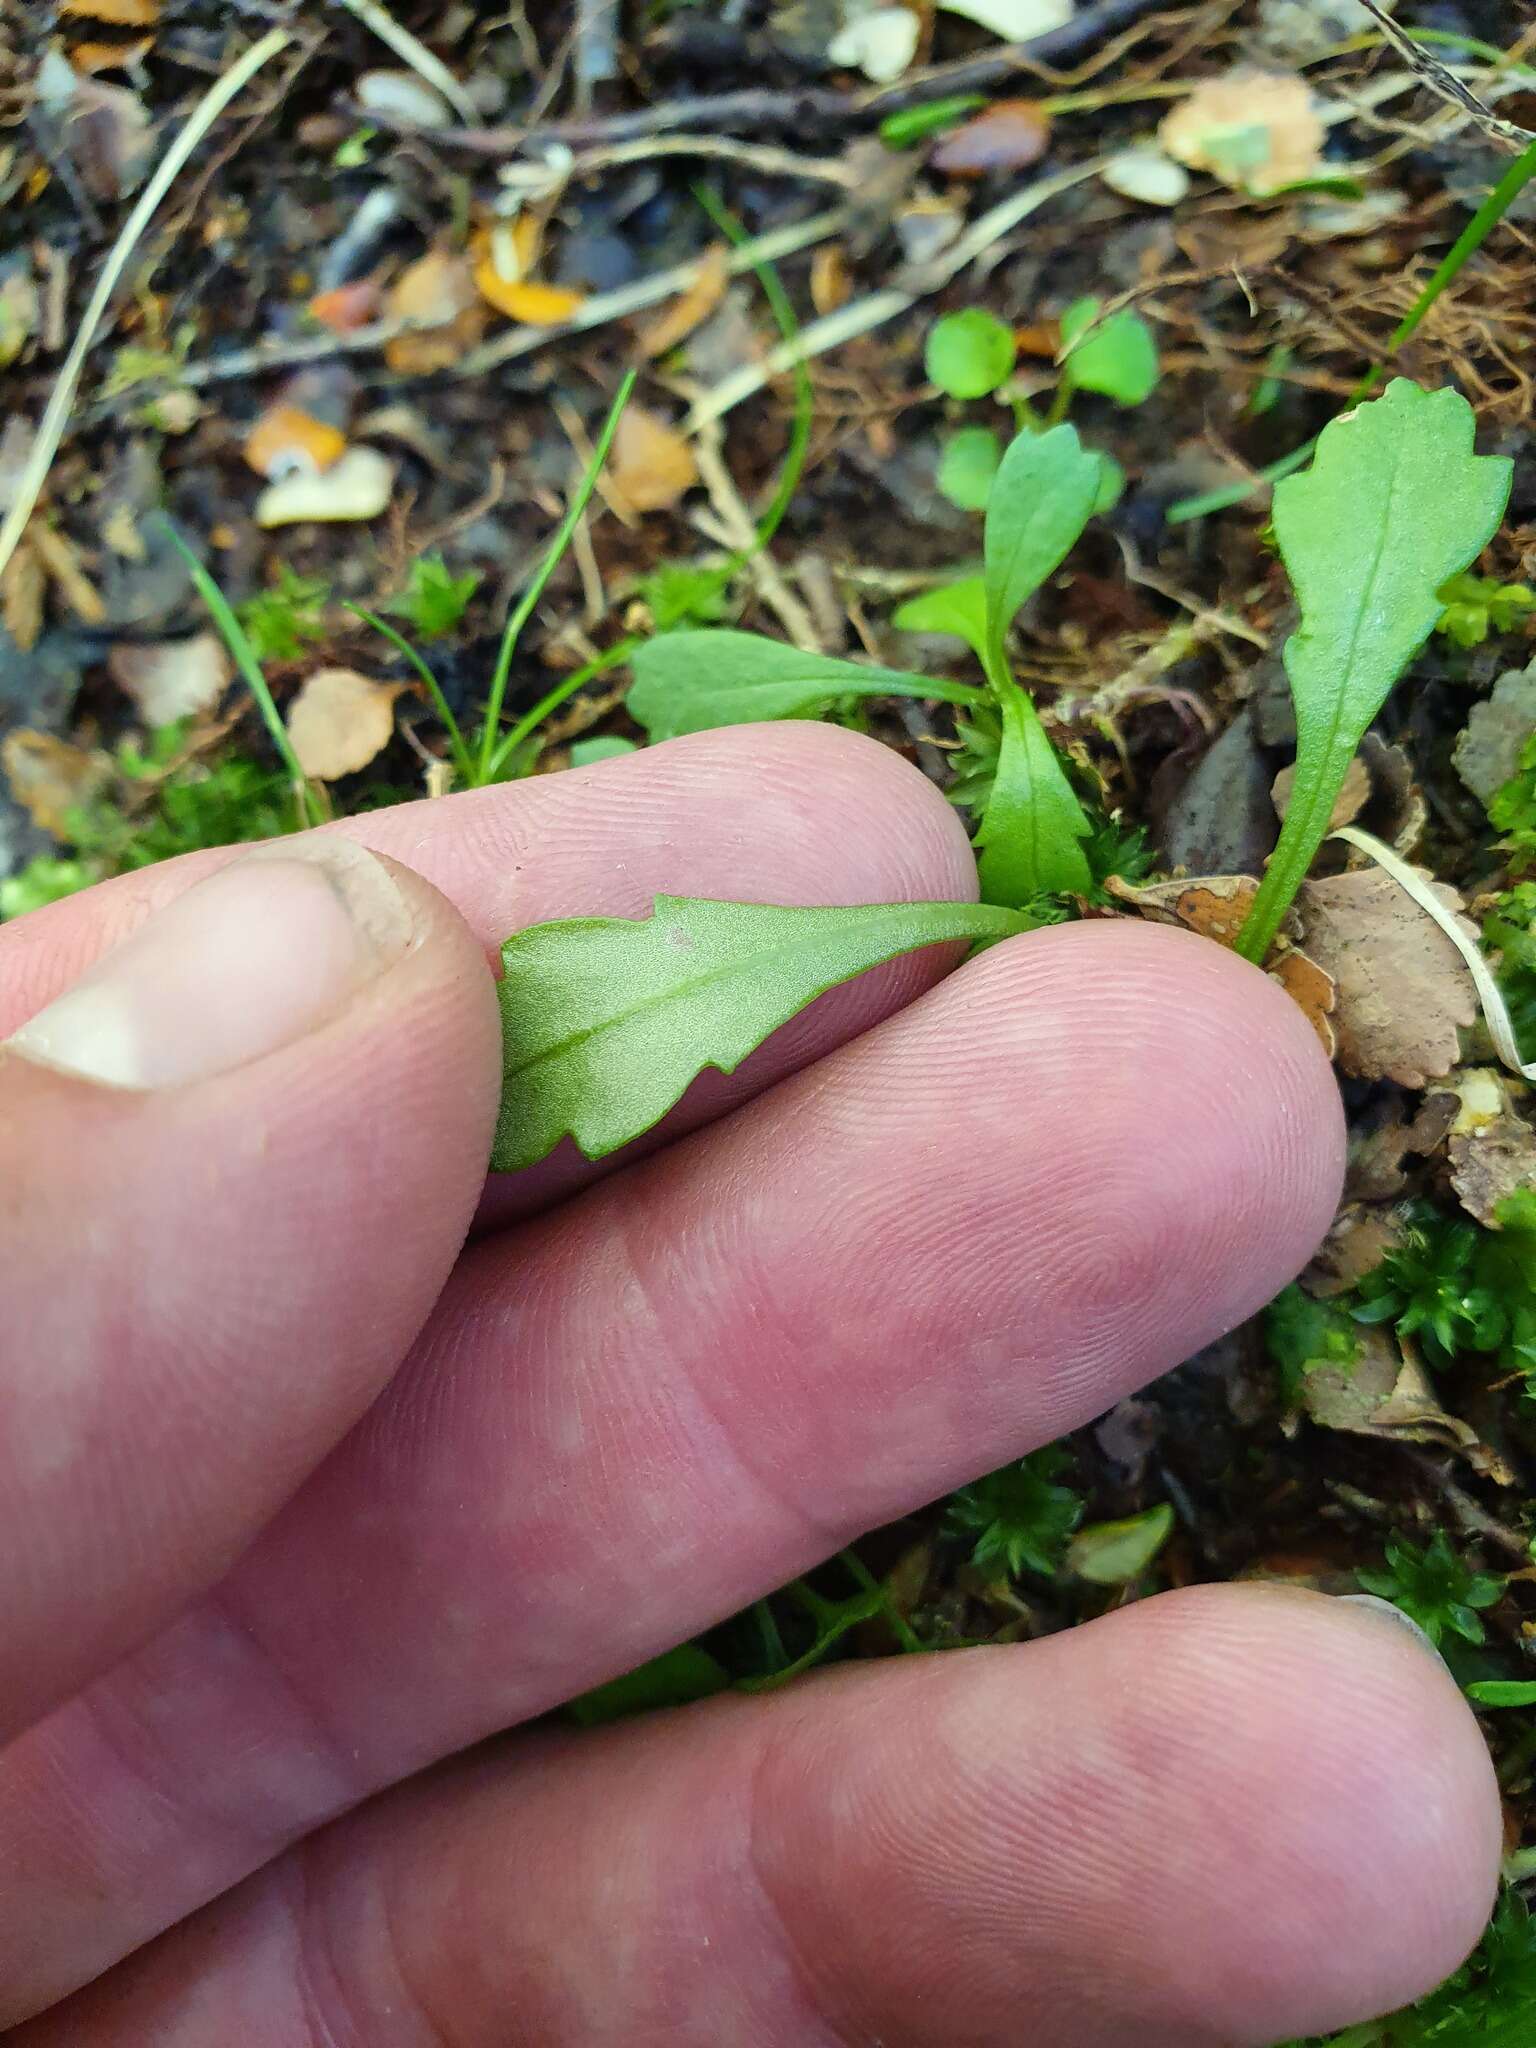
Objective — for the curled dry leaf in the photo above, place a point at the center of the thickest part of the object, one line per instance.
(1010, 135)
(1492, 1162)
(118, 13)
(93, 57)
(677, 320)
(1358, 1240)
(436, 298)
(1257, 131)
(172, 679)
(1215, 907)
(61, 559)
(357, 487)
(23, 589)
(831, 281)
(1404, 991)
(1383, 1393)
(347, 308)
(110, 138)
(50, 778)
(652, 466)
(339, 721)
(287, 439)
(879, 41)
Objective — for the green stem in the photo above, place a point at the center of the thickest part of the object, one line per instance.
(1457, 257)
(1061, 398)
(1301, 835)
(805, 395)
(551, 701)
(562, 540)
(901, 1628)
(463, 760)
(310, 810)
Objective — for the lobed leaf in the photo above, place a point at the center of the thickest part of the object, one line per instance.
(606, 1020)
(695, 681)
(1394, 504)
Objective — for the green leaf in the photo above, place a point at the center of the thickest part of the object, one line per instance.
(606, 747)
(969, 466)
(900, 131)
(606, 1020)
(1394, 504)
(1118, 359)
(1043, 498)
(694, 681)
(957, 608)
(433, 601)
(1111, 484)
(674, 1679)
(1031, 830)
(1114, 1553)
(969, 354)
(1503, 1692)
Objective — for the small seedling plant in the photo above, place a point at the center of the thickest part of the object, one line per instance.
(608, 1020)
(972, 355)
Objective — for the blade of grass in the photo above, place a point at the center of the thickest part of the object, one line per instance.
(519, 734)
(55, 418)
(311, 810)
(524, 610)
(463, 760)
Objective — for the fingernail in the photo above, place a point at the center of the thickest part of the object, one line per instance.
(242, 964)
(1389, 1612)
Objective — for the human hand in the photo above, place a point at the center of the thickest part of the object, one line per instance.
(953, 1215)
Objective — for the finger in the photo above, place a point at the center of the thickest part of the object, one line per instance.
(1065, 1168)
(795, 813)
(1223, 1817)
(239, 1159)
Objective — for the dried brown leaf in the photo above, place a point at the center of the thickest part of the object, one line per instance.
(171, 679)
(61, 559)
(652, 465)
(1010, 135)
(339, 721)
(50, 778)
(23, 587)
(1492, 1162)
(1403, 989)
(1254, 130)
(1383, 1393)
(677, 320)
(118, 13)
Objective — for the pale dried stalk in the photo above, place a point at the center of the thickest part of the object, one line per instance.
(415, 53)
(1495, 1010)
(55, 419)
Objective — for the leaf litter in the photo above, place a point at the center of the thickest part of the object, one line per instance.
(479, 284)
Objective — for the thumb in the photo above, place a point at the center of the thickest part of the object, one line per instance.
(237, 1161)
